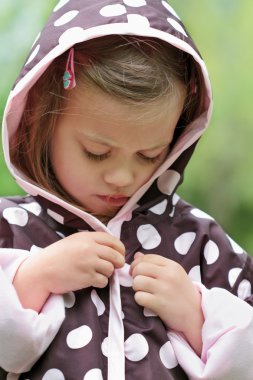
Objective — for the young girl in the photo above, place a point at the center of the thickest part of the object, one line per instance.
(105, 272)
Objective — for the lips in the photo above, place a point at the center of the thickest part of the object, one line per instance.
(114, 200)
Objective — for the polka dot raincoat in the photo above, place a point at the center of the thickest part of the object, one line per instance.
(95, 334)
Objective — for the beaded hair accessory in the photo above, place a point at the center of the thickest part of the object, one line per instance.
(69, 80)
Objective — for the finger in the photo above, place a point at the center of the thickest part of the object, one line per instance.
(104, 238)
(106, 268)
(146, 300)
(145, 269)
(144, 284)
(111, 255)
(99, 281)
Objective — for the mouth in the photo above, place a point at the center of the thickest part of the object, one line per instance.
(114, 200)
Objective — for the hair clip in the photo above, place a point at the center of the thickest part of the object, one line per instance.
(69, 80)
(194, 86)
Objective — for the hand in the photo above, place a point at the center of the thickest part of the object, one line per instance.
(162, 285)
(78, 261)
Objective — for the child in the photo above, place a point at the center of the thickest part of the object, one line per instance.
(105, 272)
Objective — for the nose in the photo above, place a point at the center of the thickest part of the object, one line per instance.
(121, 175)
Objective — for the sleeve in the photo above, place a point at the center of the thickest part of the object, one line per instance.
(224, 277)
(227, 337)
(24, 334)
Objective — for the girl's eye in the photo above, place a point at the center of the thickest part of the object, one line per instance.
(96, 157)
(151, 160)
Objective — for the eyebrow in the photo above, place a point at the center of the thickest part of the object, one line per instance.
(109, 144)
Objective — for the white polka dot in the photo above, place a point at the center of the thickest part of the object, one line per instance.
(15, 215)
(69, 300)
(168, 181)
(195, 274)
(176, 26)
(33, 55)
(93, 374)
(200, 214)
(138, 21)
(175, 199)
(100, 306)
(148, 236)
(160, 208)
(72, 34)
(233, 275)
(60, 234)
(34, 207)
(170, 9)
(104, 347)
(79, 337)
(149, 313)
(135, 3)
(67, 17)
(244, 289)
(236, 248)
(35, 249)
(184, 242)
(113, 10)
(167, 356)
(60, 5)
(53, 374)
(211, 252)
(12, 376)
(172, 212)
(125, 279)
(36, 39)
(136, 347)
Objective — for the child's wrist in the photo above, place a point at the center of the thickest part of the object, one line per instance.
(30, 285)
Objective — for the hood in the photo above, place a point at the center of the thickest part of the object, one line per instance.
(75, 21)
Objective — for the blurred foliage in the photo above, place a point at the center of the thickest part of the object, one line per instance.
(218, 178)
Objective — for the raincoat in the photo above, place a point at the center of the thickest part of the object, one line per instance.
(102, 333)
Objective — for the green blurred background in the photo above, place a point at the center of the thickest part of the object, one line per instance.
(218, 179)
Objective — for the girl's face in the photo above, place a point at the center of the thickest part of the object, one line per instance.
(103, 150)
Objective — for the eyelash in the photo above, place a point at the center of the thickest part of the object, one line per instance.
(101, 157)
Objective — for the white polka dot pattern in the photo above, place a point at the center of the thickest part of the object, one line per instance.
(244, 289)
(16, 216)
(176, 26)
(113, 10)
(169, 8)
(160, 208)
(184, 242)
(148, 236)
(33, 55)
(136, 347)
(33, 207)
(100, 306)
(195, 274)
(104, 347)
(93, 374)
(69, 300)
(135, 3)
(233, 275)
(66, 18)
(211, 252)
(168, 181)
(79, 337)
(138, 21)
(200, 214)
(167, 356)
(53, 374)
(236, 248)
(60, 5)
(149, 313)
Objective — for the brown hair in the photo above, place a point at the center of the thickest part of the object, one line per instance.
(134, 69)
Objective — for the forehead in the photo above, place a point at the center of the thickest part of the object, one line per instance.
(93, 111)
